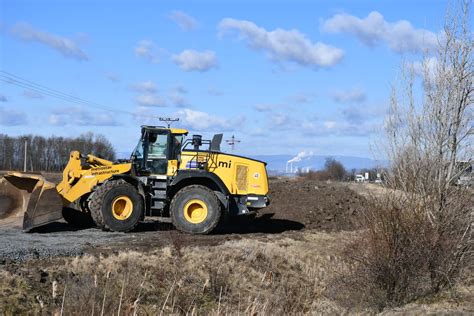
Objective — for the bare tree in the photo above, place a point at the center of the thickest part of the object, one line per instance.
(426, 141)
(52, 153)
(423, 231)
(334, 169)
(429, 139)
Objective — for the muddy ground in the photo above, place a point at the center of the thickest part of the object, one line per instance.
(296, 205)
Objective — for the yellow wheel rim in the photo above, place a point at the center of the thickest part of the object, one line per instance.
(195, 211)
(122, 207)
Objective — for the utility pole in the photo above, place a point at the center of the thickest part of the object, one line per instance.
(232, 141)
(26, 149)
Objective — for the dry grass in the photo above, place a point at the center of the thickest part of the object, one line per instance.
(278, 276)
(15, 294)
(294, 274)
(405, 256)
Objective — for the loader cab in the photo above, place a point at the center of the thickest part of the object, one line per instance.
(157, 147)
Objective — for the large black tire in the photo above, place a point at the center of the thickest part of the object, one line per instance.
(200, 196)
(102, 203)
(77, 218)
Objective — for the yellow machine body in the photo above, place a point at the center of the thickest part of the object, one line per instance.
(40, 202)
(78, 181)
(241, 176)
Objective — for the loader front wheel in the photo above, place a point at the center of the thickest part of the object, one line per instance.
(117, 206)
(195, 209)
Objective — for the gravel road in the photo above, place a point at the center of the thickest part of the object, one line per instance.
(296, 205)
(56, 239)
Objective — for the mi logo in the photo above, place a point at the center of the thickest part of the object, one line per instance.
(224, 164)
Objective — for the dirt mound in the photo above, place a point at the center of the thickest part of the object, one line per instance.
(316, 205)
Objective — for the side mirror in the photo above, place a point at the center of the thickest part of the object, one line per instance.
(197, 141)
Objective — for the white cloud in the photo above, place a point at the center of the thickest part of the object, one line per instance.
(79, 116)
(339, 128)
(363, 114)
(283, 45)
(280, 120)
(214, 92)
(426, 67)
(151, 100)
(66, 46)
(355, 95)
(192, 60)
(184, 21)
(258, 132)
(147, 50)
(400, 36)
(202, 121)
(145, 86)
(12, 117)
(180, 90)
(301, 97)
(145, 116)
(31, 94)
(178, 100)
(265, 107)
(329, 124)
(112, 77)
(176, 96)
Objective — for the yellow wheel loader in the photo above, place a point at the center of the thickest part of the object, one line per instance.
(190, 183)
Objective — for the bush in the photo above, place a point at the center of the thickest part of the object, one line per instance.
(403, 255)
(333, 170)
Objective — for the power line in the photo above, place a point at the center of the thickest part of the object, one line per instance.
(28, 84)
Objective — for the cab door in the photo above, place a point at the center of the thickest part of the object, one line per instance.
(157, 148)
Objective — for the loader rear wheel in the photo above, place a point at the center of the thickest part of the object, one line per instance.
(116, 205)
(195, 209)
(77, 218)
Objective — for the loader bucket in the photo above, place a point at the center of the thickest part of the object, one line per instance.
(28, 199)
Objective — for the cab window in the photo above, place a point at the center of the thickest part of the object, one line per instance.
(157, 146)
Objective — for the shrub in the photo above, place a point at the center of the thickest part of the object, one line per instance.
(403, 254)
(333, 170)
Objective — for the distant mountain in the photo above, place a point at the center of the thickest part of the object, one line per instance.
(278, 163)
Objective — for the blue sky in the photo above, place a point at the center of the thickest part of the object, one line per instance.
(282, 76)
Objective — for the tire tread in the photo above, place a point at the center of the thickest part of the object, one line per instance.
(97, 198)
(184, 191)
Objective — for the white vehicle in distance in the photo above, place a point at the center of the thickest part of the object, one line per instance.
(359, 178)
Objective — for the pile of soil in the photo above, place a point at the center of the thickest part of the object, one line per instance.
(317, 205)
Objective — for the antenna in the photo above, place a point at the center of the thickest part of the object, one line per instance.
(232, 141)
(168, 120)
